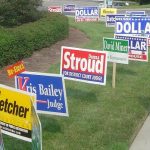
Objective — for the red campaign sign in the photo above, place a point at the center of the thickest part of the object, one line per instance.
(15, 69)
(138, 57)
(86, 19)
(84, 65)
(55, 9)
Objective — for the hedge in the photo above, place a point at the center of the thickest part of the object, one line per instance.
(20, 42)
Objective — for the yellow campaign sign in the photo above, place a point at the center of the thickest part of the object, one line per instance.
(105, 11)
(16, 112)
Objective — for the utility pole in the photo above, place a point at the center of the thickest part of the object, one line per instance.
(105, 3)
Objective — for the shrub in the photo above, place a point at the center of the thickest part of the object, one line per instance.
(20, 42)
(17, 12)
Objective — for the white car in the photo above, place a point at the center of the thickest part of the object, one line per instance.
(118, 4)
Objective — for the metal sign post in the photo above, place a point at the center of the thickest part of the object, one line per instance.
(114, 75)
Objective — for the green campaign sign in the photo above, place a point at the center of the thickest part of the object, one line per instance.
(117, 50)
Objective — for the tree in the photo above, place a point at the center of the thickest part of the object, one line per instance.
(141, 2)
(16, 12)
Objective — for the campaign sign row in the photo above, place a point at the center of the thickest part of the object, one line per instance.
(87, 12)
(83, 14)
(66, 8)
(90, 66)
(111, 17)
(45, 93)
(133, 24)
(34, 93)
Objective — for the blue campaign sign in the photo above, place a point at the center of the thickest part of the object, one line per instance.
(87, 13)
(135, 43)
(50, 91)
(135, 13)
(69, 7)
(111, 19)
(132, 25)
(138, 47)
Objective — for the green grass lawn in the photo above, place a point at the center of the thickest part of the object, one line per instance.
(100, 117)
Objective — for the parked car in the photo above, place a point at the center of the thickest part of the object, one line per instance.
(118, 4)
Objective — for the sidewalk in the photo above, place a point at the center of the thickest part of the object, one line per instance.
(142, 140)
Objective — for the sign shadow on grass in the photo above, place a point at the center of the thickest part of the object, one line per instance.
(123, 70)
(82, 95)
(50, 125)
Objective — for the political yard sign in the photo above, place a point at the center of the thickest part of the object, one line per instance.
(50, 91)
(84, 65)
(87, 14)
(16, 112)
(69, 8)
(132, 26)
(117, 50)
(111, 19)
(15, 69)
(55, 9)
(138, 47)
(105, 11)
(135, 13)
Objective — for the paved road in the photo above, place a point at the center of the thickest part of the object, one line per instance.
(142, 140)
(47, 3)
